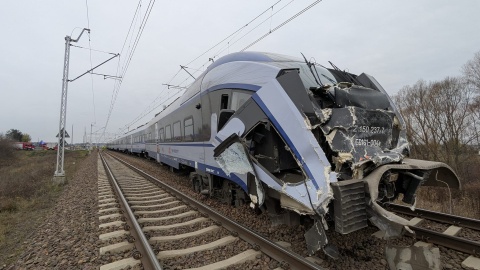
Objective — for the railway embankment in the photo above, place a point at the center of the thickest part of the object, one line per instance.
(53, 226)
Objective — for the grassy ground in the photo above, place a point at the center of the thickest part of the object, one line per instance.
(26, 195)
(462, 203)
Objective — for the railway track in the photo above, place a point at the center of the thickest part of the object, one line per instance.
(450, 233)
(148, 224)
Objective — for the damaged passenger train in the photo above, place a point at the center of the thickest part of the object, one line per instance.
(292, 138)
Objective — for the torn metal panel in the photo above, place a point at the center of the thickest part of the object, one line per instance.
(315, 237)
(413, 258)
(324, 114)
(292, 84)
(234, 159)
(232, 156)
(360, 97)
(364, 134)
(289, 121)
(388, 221)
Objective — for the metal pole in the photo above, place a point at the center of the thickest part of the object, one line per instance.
(59, 175)
(91, 125)
(63, 109)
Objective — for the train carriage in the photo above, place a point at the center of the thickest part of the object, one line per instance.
(288, 136)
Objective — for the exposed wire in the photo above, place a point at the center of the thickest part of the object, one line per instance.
(139, 34)
(91, 49)
(258, 25)
(117, 84)
(231, 41)
(282, 24)
(166, 92)
(241, 28)
(130, 54)
(91, 65)
(162, 93)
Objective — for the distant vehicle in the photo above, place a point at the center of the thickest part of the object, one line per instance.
(24, 146)
(50, 146)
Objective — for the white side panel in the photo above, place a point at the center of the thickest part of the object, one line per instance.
(294, 128)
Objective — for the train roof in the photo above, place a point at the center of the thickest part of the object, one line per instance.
(274, 59)
(253, 57)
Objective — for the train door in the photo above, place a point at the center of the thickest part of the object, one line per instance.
(220, 101)
(202, 123)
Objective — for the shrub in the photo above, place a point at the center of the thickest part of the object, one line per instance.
(7, 152)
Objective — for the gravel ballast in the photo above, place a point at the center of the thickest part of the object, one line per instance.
(358, 250)
(68, 239)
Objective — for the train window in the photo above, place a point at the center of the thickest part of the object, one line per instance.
(188, 129)
(161, 135)
(224, 102)
(177, 133)
(238, 99)
(168, 133)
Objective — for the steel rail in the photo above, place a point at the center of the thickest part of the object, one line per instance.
(148, 258)
(435, 216)
(452, 242)
(287, 259)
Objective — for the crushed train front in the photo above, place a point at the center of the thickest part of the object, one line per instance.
(363, 136)
(323, 143)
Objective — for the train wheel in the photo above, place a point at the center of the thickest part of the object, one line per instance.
(196, 182)
(227, 195)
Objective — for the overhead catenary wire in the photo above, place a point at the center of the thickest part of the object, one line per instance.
(94, 50)
(130, 54)
(232, 42)
(235, 32)
(231, 39)
(282, 24)
(232, 35)
(91, 65)
(117, 84)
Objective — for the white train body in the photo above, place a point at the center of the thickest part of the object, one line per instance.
(292, 136)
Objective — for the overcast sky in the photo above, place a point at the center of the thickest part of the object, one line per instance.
(398, 42)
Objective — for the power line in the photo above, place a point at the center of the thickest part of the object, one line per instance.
(238, 30)
(251, 30)
(282, 24)
(153, 105)
(232, 35)
(91, 49)
(139, 34)
(117, 84)
(131, 53)
(91, 65)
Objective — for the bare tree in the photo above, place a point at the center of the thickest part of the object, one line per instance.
(441, 120)
(471, 70)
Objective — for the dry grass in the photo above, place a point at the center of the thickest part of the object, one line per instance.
(462, 203)
(6, 151)
(465, 202)
(26, 194)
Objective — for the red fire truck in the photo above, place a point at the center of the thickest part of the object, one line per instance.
(24, 146)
